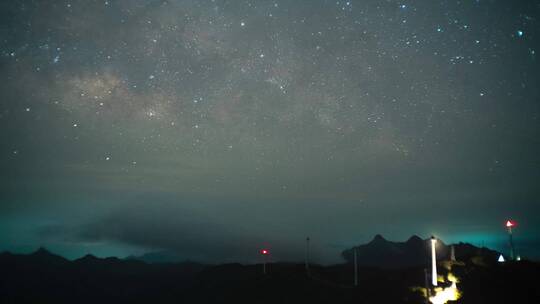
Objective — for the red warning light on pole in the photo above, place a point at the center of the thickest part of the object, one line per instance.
(265, 255)
(509, 226)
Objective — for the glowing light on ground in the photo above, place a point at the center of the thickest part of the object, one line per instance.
(443, 295)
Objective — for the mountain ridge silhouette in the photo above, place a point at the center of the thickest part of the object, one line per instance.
(415, 251)
(44, 277)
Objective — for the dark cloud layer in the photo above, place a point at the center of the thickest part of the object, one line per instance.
(212, 128)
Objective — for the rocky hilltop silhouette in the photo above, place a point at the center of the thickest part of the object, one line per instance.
(416, 251)
(157, 257)
(44, 277)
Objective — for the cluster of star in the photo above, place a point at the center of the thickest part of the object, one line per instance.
(209, 76)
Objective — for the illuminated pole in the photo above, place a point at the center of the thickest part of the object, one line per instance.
(433, 262)
(509, 225)
(355, 268)
(307, 255)
(264, 253)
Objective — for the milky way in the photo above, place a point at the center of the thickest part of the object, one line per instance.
(212, 128)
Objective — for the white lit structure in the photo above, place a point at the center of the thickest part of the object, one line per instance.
(433, 262)
(509, 225)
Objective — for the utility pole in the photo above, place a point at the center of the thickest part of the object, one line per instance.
(307, 255)
(509, 225)
(264, 254)
(355, 268)
(452, 254)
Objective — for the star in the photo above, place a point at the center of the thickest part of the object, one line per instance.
(380, 102)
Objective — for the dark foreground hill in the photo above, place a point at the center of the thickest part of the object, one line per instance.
(43, 277)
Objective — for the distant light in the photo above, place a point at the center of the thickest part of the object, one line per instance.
(510, 223)
(264, 251)
(520, 33)
(501, 259)
(518, 258)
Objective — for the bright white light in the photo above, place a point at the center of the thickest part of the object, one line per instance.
(433, 262)
(443, 295)
(501, 259)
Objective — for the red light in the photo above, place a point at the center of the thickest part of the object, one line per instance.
(264, 251)
(510, 224)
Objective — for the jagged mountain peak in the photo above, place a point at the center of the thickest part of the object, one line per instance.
(42, 251)
(415, 251)
(414, 239)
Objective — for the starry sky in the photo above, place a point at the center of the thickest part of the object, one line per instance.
(212, 129)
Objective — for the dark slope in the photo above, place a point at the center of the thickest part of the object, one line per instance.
(43, 277)
(34, 279)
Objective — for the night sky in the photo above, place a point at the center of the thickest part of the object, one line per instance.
(212, 129)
